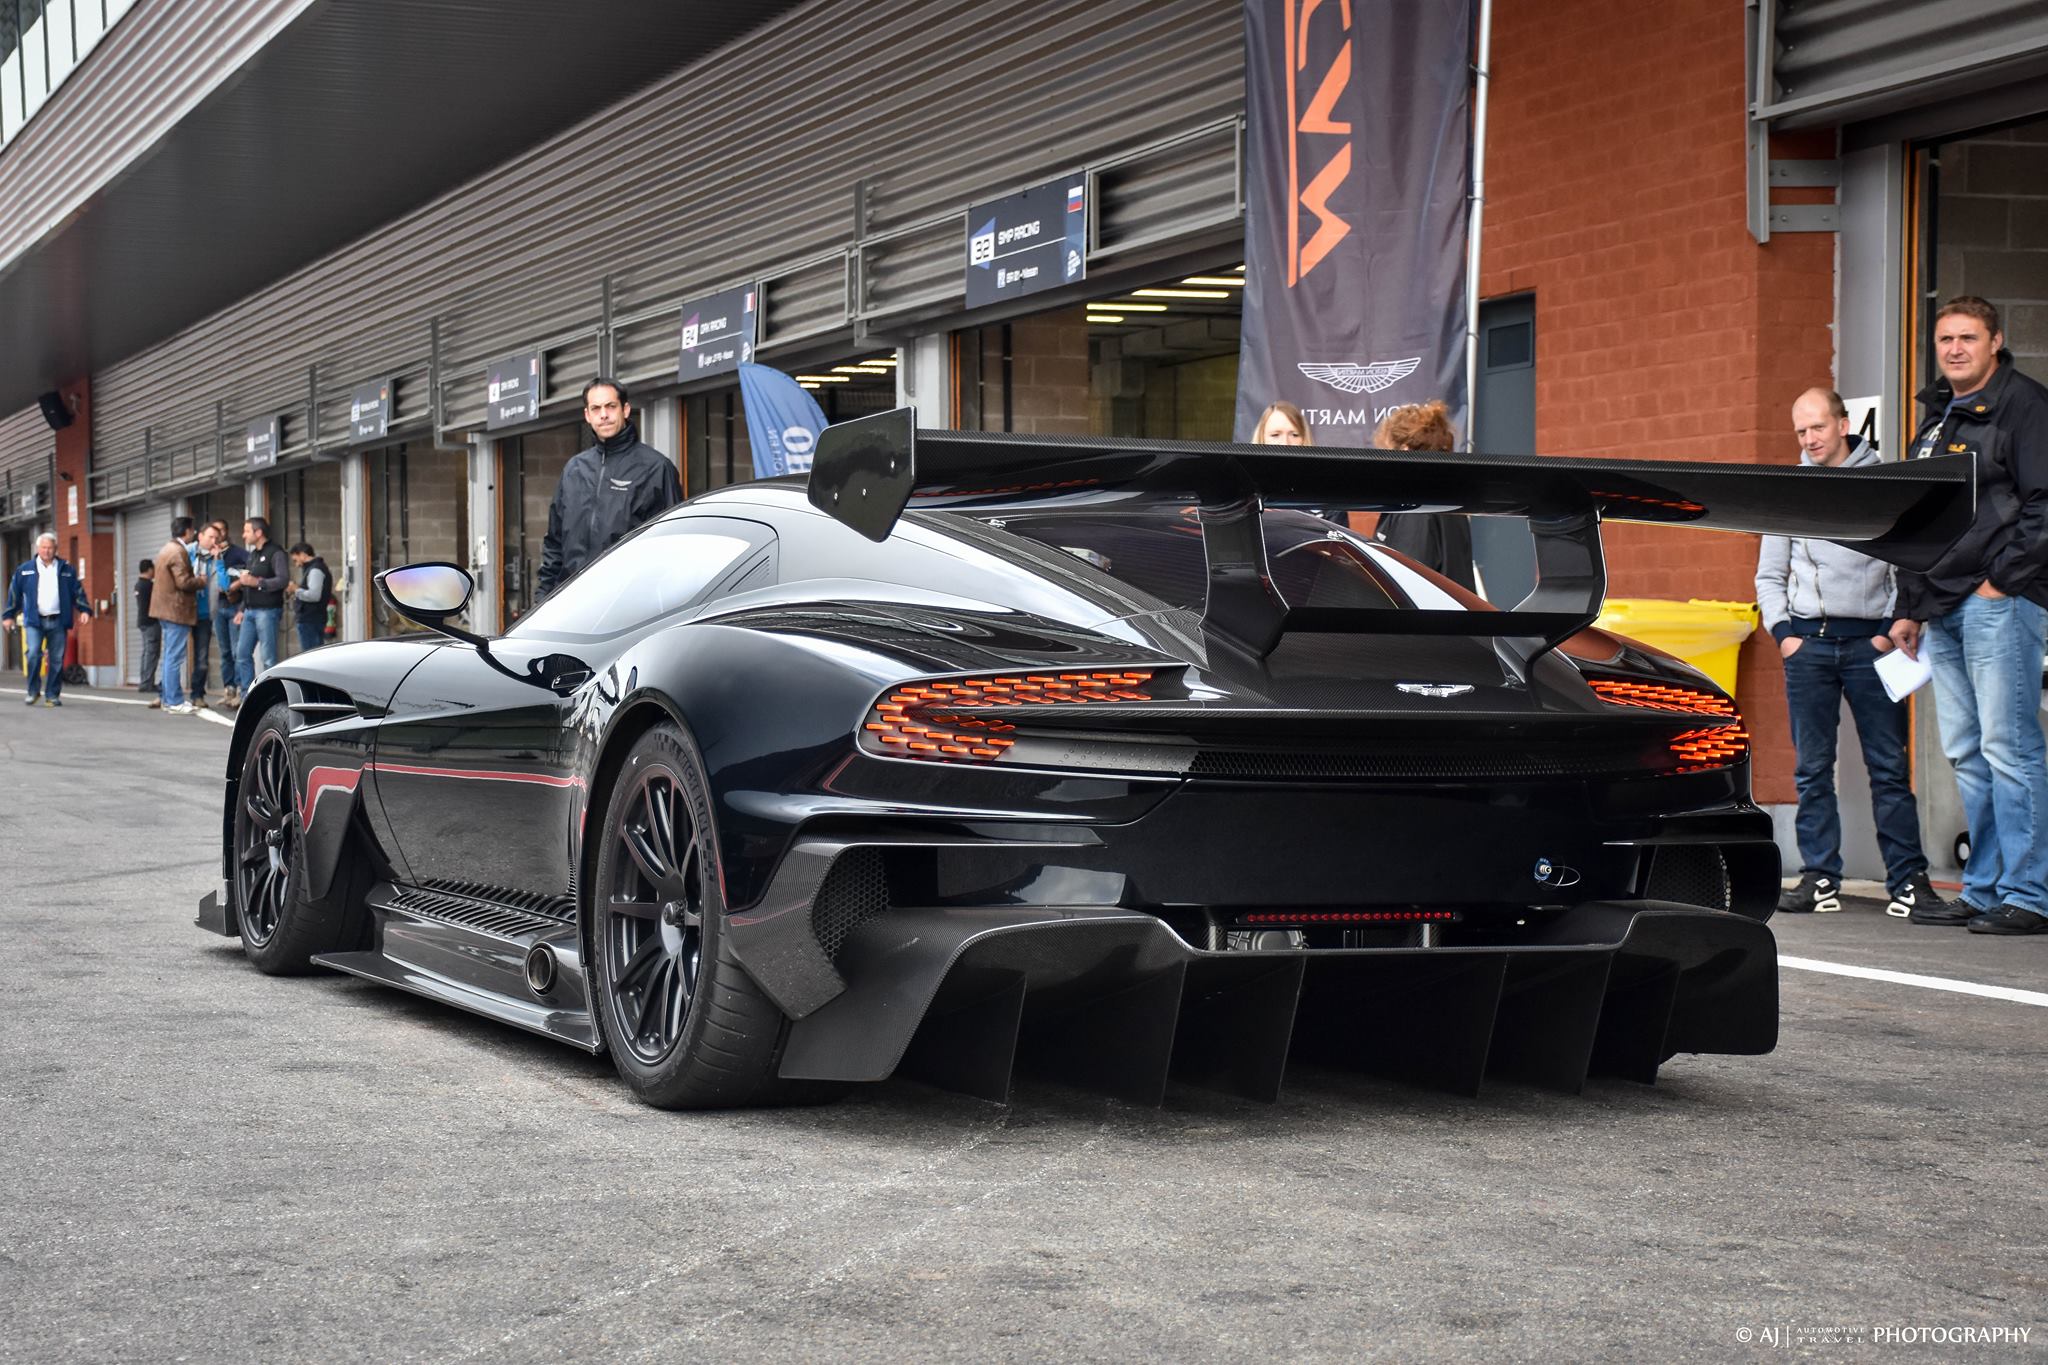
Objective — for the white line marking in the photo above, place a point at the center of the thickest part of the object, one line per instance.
(1932, 983)
(217, 718)
(111, 701)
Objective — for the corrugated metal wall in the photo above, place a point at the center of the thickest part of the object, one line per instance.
(1834, 60)
(25, 445)
(741, 167)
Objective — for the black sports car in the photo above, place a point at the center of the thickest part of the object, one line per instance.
(1100, 756)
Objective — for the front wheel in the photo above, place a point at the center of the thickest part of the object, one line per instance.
(685, 1025)
(281, 926)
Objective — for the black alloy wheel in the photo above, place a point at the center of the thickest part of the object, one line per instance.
(266, 840)
(651, 921)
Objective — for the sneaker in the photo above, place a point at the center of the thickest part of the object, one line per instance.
(54, 701)
(2009, 919)
(1947, 913)
(183, 708)
(1917, 891)
(1816, 892)
(199, 704)
(228, 697)
(156, 703)
(33, 699)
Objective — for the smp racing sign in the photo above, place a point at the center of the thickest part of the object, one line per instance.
(512, 390)
(369, 411)
(1358, 170)
(1026, 242)
(718, 334)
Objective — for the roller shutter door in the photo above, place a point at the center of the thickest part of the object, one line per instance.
(1834, 61)
(144, 530)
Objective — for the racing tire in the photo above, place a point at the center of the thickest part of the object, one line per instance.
(686, 1026)
(282, 928)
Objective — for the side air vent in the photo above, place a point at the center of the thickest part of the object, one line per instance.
(855, 891)
(526, 902)
(1691, 874)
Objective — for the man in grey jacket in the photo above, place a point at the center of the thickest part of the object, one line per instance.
(1830, 609)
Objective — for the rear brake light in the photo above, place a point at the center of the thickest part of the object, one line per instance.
(1719, 747)
(1662, 697)
(929, 720)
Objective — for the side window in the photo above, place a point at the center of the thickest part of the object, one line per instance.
(662, 568)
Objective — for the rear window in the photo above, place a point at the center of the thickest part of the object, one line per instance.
(1314, 562)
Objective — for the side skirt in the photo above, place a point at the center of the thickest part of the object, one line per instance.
(472, 951)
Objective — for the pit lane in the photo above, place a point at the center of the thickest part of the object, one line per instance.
(205, 1162)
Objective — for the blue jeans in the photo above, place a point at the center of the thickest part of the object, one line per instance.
(44, 641)
(311, 630)
(1819, 674)
(202, 637)
(177, 638)
(224, 631)
(259, 626)
(1987, 681)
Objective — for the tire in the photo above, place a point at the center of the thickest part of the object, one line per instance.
(282, 928)
(684, 1023)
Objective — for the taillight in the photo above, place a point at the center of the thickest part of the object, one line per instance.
(1718, 747)
(932, 719)
(1662, 697)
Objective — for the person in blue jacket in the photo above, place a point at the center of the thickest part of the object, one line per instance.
(45, 596)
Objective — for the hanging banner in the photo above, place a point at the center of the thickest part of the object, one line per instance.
(1358, 168)
(783, 421)
(512, 388)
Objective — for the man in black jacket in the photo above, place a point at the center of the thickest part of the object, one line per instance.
(606, 490)
(1985, 605)
(263, 581)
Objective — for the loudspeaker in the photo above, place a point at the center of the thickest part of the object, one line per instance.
(54, 411)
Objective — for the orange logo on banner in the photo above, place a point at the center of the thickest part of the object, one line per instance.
(1330, 229)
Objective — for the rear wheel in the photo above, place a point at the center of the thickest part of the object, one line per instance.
(685, 1024)
(281, 926)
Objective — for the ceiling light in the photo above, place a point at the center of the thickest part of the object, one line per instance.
(806, 384)
(1182, 293)
(1132, 307)
(823, 379)
(1105, 317)
(1233, 280)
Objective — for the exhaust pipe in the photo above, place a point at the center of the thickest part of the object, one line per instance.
(540, 969)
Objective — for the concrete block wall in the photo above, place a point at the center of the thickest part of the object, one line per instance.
(1991, 233)
(1662, 329)
(1049, 381)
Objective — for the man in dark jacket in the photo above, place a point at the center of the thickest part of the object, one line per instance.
(263, 582)
(311, 598)
(606, 490)
(45, 596)
(147, 627)
(1985, 607)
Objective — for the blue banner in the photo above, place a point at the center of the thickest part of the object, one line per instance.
(783, 421)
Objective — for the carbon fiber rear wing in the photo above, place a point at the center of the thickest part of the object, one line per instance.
(868, 472)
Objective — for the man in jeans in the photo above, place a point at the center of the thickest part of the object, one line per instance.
(1830, 610)
(46, 596)
(205, 565)
(173, 602)
(263, 582)
(148, 628)
(229, 561)
(1985, 608)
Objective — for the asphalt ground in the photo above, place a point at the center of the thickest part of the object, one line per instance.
(198, 1162)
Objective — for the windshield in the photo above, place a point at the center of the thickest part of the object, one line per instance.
(660, 569)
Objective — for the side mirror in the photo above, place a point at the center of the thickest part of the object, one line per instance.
(430, 594)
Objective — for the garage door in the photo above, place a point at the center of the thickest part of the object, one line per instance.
(142, 532)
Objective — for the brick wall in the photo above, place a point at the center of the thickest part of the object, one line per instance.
(1049, 389)
(1615, 193)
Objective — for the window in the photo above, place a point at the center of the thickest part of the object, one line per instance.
(662, 568)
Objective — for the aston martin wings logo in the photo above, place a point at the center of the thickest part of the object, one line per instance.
(1438, 690)
(1353, 378)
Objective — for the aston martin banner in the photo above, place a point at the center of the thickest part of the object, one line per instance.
(1357, 177)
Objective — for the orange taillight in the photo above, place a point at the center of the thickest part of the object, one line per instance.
(1716, 747)
(926, 720)
(1662, 697)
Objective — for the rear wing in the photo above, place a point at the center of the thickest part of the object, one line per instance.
(868, 472)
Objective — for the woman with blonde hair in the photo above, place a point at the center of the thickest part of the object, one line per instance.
(1436, 540)
(1282, 424)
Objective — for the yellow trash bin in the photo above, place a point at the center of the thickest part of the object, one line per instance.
(1707, 635)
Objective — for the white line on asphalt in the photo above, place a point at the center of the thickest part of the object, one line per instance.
(216, 717)
(111, 701)
(1932, 983)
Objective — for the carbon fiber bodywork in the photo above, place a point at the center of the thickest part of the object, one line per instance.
(1277, 830)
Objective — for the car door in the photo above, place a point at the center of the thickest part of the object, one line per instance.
(477, 772)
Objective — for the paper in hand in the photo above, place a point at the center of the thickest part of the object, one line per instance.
(1902, 676)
